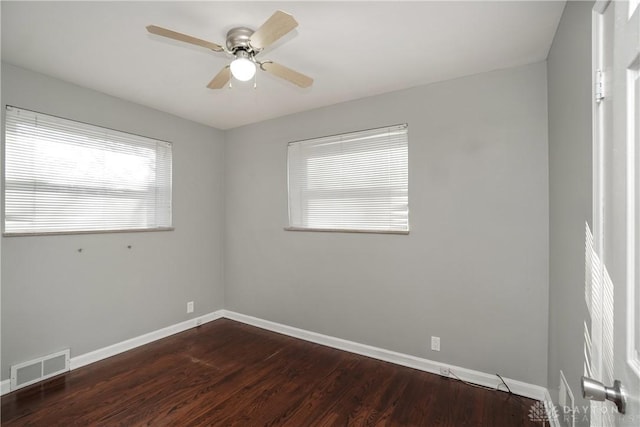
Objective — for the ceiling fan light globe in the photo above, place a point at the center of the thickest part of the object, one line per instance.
(243, 69)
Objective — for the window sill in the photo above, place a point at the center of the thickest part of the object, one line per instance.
(65, 233)
(340, 230)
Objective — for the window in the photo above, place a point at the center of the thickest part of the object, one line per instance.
(63, 176)
(351, 182)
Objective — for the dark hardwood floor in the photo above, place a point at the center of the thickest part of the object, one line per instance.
(228, 373)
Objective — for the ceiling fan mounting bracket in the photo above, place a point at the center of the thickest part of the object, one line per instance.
(239, 38)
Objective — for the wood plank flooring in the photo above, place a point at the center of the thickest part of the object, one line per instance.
(228, 373)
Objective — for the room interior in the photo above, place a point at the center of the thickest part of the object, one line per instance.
(497, 98)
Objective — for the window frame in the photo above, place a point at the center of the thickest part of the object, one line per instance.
(347, 230)
(3, 175)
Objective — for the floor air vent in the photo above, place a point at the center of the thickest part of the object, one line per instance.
(33, 371)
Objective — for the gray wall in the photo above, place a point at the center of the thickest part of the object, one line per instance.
(569, 75)
(474, 269)
(54, 297)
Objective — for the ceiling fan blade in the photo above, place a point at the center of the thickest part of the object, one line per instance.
(221, 79)
(279, 24)
(287, 74)
(183, 38)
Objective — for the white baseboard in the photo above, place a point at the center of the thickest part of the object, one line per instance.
(476, 377)
(5, 387)
(121, 347)
(112, 350)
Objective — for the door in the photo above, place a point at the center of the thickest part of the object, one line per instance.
(612, 350)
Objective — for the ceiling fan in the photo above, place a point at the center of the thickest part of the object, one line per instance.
(244, 44)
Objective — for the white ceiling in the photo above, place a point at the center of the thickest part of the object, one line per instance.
(352, 49)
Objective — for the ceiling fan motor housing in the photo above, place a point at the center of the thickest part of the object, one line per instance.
(239, 38)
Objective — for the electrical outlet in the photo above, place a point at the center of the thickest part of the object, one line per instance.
(435, 343)
(444, 371)
(190, 307)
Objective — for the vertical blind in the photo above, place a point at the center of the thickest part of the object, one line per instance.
(353, 182)
(65, 176)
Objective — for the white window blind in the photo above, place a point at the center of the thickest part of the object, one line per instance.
(64, 176)
(351, 182)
